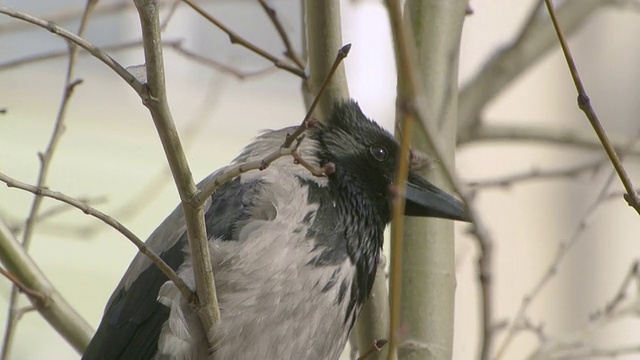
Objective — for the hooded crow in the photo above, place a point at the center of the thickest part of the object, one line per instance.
(294, 255)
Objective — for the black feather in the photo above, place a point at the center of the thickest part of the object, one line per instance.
(131, 326)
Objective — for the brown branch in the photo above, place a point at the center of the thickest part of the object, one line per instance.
(237, 39)
(82, 206)
(70, 83)
(205, 304)
(407, 94)
(213, 184)
(75, 39)
(275, 20)
(585, 105)
(342, 53)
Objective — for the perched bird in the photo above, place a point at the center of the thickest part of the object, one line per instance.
(294, 255)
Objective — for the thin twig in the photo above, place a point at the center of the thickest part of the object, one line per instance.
(567, 138)
(552, 269)
(59, 54)
(507, 181)
(290, 52)
(82, 206)
(406, 65)
(342, 53)
(240, 75)
(376, 346)
(75, 39)
(575, 345)
(620, 295)
(286, 149)
(237, 39)
(142, 199)
(231, 172)
(585, 105)
(172, 11)
(534, 40)
(70, 83)
(24, 289)
(57, 210)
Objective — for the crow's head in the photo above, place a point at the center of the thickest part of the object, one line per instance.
(366, 155)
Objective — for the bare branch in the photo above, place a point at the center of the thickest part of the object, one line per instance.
(407, 94)
(180, 49)
(82, 206)
(55, 309)
(342, 53)
(39, 296)
(205, 303)
(535, 40)
(213, 184)
(552, 269)
(575, 345)
(376, 346)
(92, 49)
(507, 181)
(545, 134)
(290, 52)
(622, 293)
(60, 54)
(411, 101)
(237, 39)
(45, 161)
(323, 24)
(585, 105)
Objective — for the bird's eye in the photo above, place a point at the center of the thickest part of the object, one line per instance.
(379, 153)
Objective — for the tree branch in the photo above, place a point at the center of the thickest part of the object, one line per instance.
(291, 53)
(534, 41)
(551, 271)
(92, 49)
(45, 161)
(237, 39)
(585, 105)
(155, 99)
(59, 54)
(55, 309)
(507, 181)
(545, 134)
(324, 36)
(82, 206)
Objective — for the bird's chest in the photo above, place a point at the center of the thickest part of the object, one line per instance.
(283, 294)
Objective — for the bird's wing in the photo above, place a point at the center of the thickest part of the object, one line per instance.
(133, 318)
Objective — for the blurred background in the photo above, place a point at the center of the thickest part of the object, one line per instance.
(110, 153)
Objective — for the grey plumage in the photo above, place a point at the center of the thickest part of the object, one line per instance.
(294, 255)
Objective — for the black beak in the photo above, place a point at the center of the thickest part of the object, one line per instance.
(424, 199)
